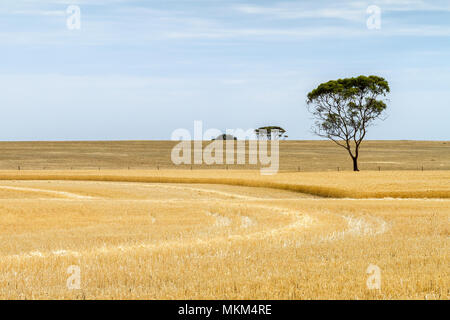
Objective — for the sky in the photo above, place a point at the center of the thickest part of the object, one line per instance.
(138, 70)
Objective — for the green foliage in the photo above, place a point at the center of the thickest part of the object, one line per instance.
(350, 87)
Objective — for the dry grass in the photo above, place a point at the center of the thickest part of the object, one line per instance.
(208, 241)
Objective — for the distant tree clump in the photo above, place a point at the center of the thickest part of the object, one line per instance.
(343, 109)
(225, 137)
(270, 132)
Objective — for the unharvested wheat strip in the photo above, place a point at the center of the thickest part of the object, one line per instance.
(248, 180)
(227, 194)
(259, 200)
(390, 199)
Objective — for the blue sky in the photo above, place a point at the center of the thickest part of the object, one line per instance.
(141, 69)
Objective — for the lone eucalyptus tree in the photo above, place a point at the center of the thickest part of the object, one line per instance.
(343, 109)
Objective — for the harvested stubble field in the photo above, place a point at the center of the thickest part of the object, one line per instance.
(210, 234)
(294, 156)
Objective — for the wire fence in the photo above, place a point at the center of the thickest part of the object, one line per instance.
(282, 168)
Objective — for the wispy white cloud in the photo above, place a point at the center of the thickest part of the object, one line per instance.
(118, 24)
(413, 5)
(343, 10)
(40, 12)
(300, 12)
(266, 33)
(309, 33)
(64, 2)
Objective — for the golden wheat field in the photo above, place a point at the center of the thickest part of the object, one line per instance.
(224, 234)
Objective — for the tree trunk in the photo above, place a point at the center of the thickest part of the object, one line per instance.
(355, 164)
